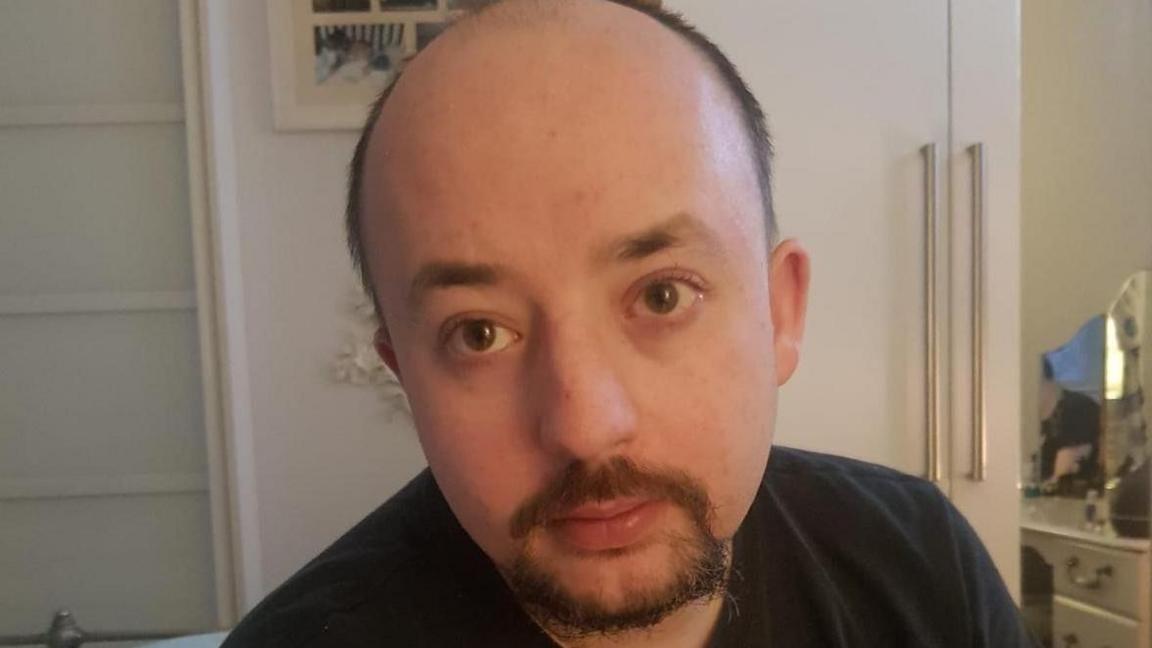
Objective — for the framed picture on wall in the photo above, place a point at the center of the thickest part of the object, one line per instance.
(330, 58)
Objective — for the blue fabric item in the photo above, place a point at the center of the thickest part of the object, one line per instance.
(1079, 365)
(198, 641)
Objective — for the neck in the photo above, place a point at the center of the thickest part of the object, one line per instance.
(688, 627)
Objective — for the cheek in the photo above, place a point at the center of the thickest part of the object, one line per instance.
(725, 396)
(475, 447)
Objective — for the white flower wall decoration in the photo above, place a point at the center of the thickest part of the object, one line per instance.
(357, 362)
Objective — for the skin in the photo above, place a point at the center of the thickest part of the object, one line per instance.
(540, 146)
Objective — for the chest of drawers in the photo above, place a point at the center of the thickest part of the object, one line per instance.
(1101, 587)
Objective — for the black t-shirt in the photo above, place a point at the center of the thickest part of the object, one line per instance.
(1075, 421)
(833, 552)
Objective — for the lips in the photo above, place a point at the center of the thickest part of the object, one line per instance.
(608, 525)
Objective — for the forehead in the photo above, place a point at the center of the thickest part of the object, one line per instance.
(548, 138)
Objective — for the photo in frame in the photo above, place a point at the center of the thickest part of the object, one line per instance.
(331, 58)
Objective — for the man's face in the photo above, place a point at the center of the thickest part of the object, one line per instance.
(569, 252)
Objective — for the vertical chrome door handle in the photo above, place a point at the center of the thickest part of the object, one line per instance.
(979, 421)
(931, 345)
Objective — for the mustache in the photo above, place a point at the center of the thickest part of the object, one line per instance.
(619, 477)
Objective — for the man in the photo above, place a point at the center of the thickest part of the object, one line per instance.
(1070, 438)
(563, 212)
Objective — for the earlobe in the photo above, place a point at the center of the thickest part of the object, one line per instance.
(383, 343)
(789, 301)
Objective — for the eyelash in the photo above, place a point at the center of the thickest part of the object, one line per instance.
(453, 324)
(693, 280)
(676, 274)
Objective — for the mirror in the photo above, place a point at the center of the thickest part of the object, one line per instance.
(1126, 372)
(1094, 412)
(1127, 410)
(1068, 461)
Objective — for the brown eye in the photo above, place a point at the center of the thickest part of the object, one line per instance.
(479, 336)
(662, 297)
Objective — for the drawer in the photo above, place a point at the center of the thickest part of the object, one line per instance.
(1115, 580)
(1075, 625)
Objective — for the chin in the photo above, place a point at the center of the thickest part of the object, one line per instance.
(581, 593)
(613, 579)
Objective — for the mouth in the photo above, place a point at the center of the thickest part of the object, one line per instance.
(609, 525)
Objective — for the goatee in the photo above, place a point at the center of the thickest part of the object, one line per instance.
(699, 559)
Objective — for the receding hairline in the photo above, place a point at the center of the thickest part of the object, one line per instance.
(530, 10)
(488, 18)
(524, 13)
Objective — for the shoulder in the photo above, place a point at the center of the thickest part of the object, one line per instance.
(816, 476)
(791, 461)
(1072, 397)
(887, 543)
(369, 565)
(1077, 404)
(872, 531)
(848, 509)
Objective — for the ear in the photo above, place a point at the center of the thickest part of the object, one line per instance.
(788, 286)
(383, 343)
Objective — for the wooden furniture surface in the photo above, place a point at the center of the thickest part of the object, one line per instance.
(1102, 586)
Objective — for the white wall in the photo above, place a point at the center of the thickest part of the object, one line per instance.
(279, 199)
(1086, 169)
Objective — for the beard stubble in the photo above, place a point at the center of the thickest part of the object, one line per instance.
(698, 564)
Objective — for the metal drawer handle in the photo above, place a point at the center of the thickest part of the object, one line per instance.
(1087, 582)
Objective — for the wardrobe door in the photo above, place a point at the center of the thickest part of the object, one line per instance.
(984, 389)
(854, 92)
(105, 501)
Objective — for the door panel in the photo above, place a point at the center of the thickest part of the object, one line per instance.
(986, 110)
(104, 486)
(94, 209)
(64, 52)
(852, 92)
(118, 561)
(100, 394)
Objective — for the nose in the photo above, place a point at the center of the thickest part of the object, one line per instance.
(583, 409)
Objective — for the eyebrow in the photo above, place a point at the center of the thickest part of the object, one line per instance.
(449, 274)
(678, 231)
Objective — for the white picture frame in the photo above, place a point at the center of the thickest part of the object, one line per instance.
(331, 58)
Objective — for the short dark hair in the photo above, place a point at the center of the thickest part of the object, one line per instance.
(752, 114)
